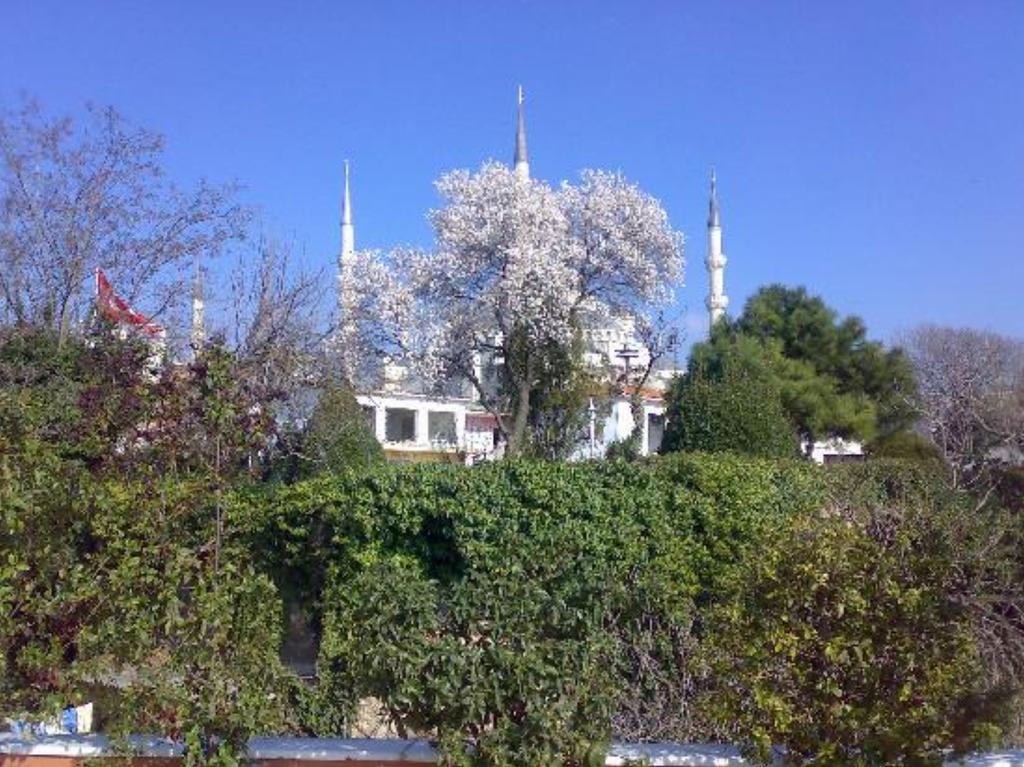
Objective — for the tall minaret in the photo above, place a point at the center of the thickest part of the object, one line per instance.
(198, 334)
(348, 232)
(348, 250)
(346, 288)
(521, 160)
(717, 300)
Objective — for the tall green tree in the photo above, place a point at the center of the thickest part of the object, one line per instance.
(833, 380)
(835, 347)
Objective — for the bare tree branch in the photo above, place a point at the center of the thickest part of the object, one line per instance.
(77, 196)
(970, 398)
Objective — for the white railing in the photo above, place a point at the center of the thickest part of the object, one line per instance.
(398, 752)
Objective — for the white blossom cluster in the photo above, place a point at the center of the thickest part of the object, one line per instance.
(515, 258)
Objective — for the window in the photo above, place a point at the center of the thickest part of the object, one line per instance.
(655, 432)
(370, 413)
(842, 457)
(441, 428)
(400, 425)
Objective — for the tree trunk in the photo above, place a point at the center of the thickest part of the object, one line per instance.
(521, 417)
(65, 327)
(636, 409)
(517, 435)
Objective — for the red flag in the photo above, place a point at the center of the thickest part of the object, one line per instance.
(115, 309)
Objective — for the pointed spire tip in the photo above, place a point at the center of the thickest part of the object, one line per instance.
(714, 213)
(521, 160)
(346, 202)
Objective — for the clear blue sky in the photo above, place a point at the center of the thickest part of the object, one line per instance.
(872, 151)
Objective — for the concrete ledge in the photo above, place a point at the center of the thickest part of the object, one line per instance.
(343, 750)
(72, 750)
(83, 746)
(674, 754)
(993, 759)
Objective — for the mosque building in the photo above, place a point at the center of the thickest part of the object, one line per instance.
(413, 425)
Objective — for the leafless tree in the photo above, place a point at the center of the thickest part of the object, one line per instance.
(77, 195)
(971, 398)
(277, 322)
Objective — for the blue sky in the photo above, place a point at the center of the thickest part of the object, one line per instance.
(872, 151)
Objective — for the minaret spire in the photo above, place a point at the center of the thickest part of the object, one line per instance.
(717, 301)
(521, 161)
(348, 231)
(348, 252)
(346, 286)
(198, 334)
(714, 214)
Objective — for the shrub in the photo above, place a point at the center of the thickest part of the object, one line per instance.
(737, 410)
(514, 663)
(109, 580)
(531, 610)
(691, 513)
(861, 637)
(630, 547)
(217, 680)
(338, 436)
(603, 578)
(906, 445)
(888, 482)
(116, 564)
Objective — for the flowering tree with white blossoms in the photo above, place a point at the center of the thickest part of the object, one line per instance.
(518, 269)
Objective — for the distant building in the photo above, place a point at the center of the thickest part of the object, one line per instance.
(835, 450)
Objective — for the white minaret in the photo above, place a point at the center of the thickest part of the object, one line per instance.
(348, 232)
(346, 289)
(198, 335)
(521, 161)
(717, 301)
(348, 251)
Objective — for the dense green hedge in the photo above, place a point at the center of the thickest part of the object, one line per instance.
(853, 614)
(522, 605)
(691, 515)
(537, 609)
